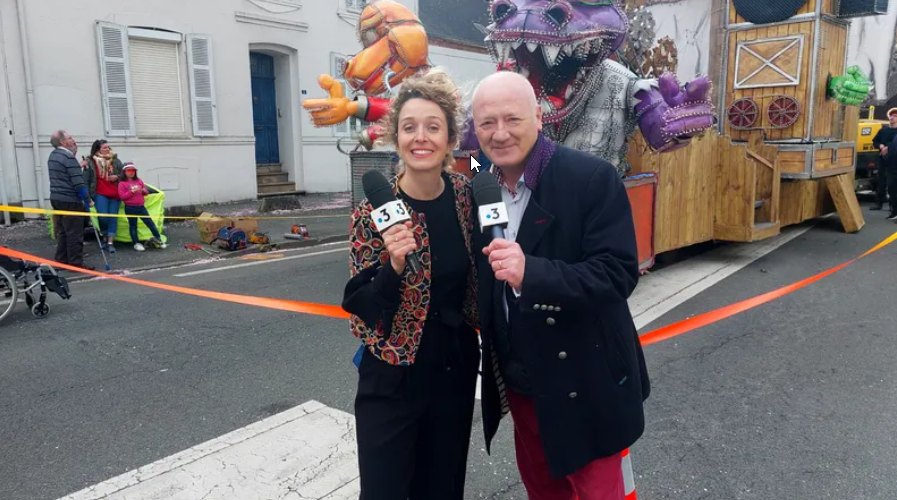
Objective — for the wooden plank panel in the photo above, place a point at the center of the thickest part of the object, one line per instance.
(724, 232)
(731, 94)
(764, 96)
(802, 93)
(831, 62)
(684, 214)
(845, 157)
(841, 189)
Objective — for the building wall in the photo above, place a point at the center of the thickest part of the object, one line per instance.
(301, 35)
(687, 23)
(871, 47)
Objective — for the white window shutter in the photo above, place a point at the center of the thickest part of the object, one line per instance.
(202, 86)
(115, 78)
(337, 63)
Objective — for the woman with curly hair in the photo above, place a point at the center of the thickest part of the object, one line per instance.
(418, 369)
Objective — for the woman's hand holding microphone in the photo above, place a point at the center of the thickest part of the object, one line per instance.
(399, 241)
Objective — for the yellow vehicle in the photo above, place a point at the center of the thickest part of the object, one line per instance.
(867, 153)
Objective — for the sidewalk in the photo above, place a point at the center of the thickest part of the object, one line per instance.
(325, 215)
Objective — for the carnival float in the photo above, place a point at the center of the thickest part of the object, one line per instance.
(776, 149)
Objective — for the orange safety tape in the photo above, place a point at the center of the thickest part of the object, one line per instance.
(653, 337)
(280, 304)
(722, 313)
(26, 210)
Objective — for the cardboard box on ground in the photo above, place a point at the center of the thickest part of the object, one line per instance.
(209, 224)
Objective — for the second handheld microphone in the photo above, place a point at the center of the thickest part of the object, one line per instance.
(492, 213)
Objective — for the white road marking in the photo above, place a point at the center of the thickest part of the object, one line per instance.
(343, 248)
(661, 292)
(306, 452)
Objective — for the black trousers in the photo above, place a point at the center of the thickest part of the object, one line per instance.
(890, 169)
(887, 182)
(69, 233)
(414, 423)
(881, 185)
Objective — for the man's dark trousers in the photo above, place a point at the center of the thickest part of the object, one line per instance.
(69, 233)
(881, 184)
(890, 167)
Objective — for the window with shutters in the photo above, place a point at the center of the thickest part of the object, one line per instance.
(141, 77)
(353, 126)
(156, 82)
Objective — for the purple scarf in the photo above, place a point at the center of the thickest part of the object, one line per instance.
(535, 165)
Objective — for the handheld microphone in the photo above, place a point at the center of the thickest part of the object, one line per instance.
(388, 211)
(492, 213)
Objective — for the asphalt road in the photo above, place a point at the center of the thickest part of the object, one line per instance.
(794, 399)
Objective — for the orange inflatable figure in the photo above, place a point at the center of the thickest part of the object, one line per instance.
(395, 46)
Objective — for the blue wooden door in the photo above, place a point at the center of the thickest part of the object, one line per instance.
(264, 108)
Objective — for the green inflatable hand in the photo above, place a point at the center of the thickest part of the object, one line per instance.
(852, 89)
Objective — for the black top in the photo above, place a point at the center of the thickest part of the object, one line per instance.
(884, 136)
(450, 261)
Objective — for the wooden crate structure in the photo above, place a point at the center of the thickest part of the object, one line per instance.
(776, 83)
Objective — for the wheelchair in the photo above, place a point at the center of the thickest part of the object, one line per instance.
(18, 277)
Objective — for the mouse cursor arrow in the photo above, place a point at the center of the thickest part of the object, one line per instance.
(474, 164)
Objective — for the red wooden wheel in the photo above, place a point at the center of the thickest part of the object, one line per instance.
(742, 114)
(783, 111)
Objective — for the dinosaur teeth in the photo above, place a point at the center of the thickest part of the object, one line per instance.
(501, 51)
(546, 106)
(551, 54)
(516, 44)
(569, 93)
(523, 71)
(532, 46)
(568, 49)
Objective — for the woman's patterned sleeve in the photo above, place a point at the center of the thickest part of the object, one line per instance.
(372, 293)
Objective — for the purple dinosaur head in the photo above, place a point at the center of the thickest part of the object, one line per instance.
(556, 44)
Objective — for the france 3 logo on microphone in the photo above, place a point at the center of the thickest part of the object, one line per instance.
(493, 214)
(390, 214)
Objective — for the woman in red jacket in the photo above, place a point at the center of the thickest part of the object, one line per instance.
(107, 170)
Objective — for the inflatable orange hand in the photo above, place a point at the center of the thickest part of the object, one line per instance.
(395, 44)
(332, 110)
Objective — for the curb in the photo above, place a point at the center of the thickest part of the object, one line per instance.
(311, 242)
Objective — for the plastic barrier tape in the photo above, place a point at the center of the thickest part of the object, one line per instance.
(652, 337)
(279, 304)
(26, 210)
(722, 313)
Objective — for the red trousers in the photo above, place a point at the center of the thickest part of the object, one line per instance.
(601, 479)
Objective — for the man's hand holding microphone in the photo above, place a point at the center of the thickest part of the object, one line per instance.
(506, 257)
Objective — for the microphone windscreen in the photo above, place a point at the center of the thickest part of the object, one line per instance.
(485, 189)
(377, 189)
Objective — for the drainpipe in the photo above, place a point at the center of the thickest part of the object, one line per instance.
(29, 89)
(7, 141)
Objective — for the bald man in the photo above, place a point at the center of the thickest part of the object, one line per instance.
(564, 351)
